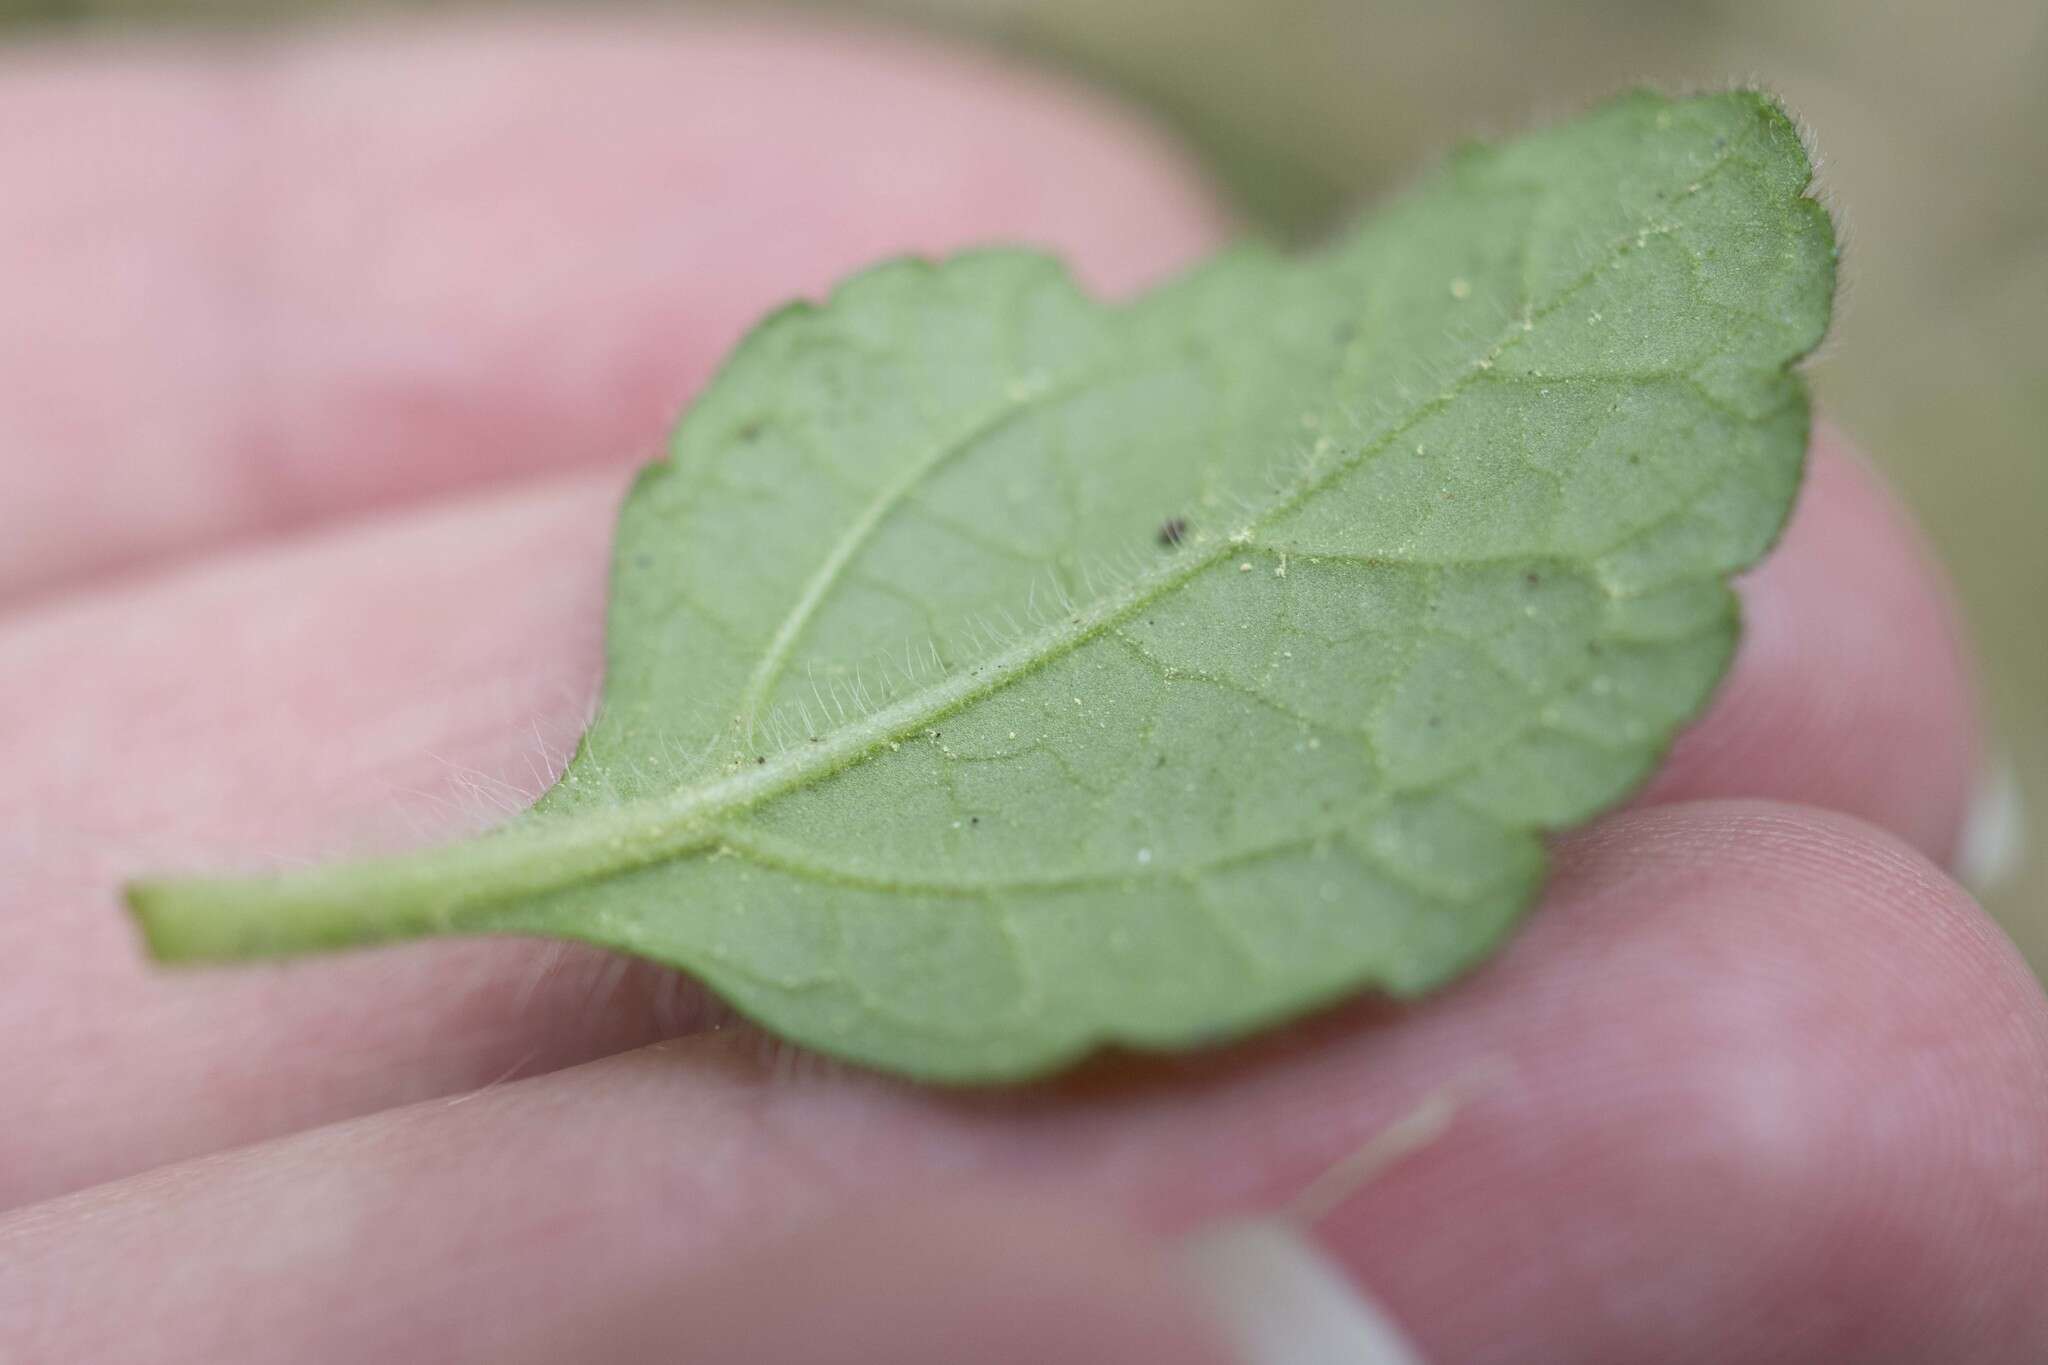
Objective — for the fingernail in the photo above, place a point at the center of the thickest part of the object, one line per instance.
(1280, 1301)
(1994, 838)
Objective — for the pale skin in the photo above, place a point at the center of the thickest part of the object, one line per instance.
(321, 371)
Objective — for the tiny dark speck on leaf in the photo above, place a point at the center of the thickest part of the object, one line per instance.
(760, 758)
(1532, 579)
(1173, 530)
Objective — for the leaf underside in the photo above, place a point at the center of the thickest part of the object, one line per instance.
(994, 674)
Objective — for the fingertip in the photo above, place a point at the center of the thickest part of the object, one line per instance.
(1780, 1090)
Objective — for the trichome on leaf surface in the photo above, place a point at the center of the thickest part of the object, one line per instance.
(994, 675)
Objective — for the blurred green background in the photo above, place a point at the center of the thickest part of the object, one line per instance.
(1933, 126)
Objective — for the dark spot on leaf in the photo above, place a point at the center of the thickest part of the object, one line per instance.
(1173, 531)
(760, 758)
(974, 819)
(751, 431)
(1532, 579)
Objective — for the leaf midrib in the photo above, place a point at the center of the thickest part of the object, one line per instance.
(443, 889)
(910, 715)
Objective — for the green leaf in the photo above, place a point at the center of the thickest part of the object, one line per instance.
(995, 675)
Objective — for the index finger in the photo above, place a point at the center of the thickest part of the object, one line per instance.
(251, 289)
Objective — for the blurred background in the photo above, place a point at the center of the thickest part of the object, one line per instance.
(1934, 138)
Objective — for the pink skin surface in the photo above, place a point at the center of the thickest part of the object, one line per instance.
(304, 346)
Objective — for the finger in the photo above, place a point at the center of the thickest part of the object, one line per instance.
(1744, 1173)
(1768, 1087)
(279, 687)
(291, 704)
(256, 287)
(939, 1282)
(922, 1281)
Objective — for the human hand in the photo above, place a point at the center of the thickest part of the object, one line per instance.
(320, 363)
